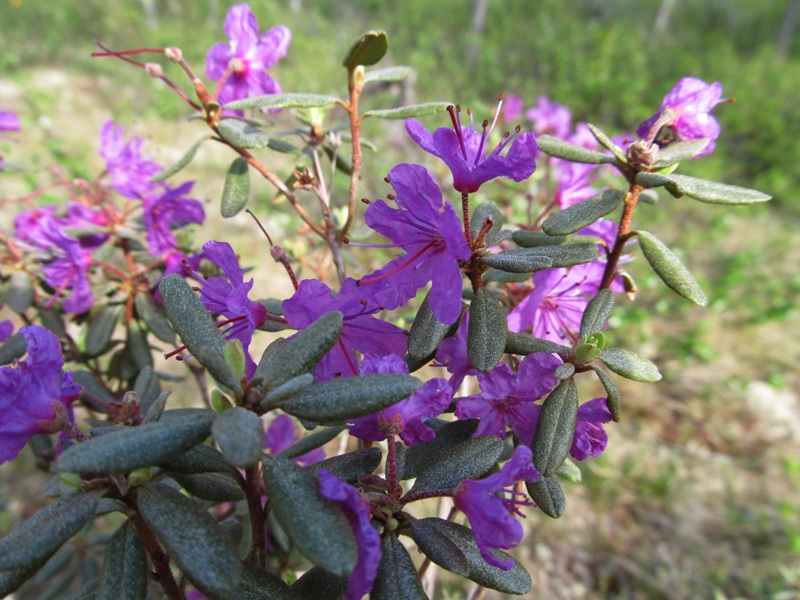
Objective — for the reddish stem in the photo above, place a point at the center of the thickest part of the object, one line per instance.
(623, 235)
(257, 522)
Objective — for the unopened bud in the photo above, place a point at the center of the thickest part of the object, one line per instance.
(174, 54)
(154, 70)
(278, 253)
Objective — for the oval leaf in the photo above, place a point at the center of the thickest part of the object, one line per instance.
(367, 50)
(242, 134)
(193, 538)
(555, 428)
(129, 448)
(548, 496)
(654, 180)
(154, 318)
(718, 193)
(216, 487)
(446, 543)
(411, 111)
(552, 146)
(312, 441)
(607, 142)
(397, 577)
(488, 329)
(670, 269)
(326, 539)
(260, 585)
(348, 467)
(101, 328)
(597, 313)
(524, 344)
(19, 292)
(349, 398)
(583, 214)
(289, 100)
(426, 332)
(318, 584)
(630, 365)
(468, 460)
(124, 574)
(200, 459)
(12, 348)
(182, 162)
(534, 239)
(389, 74)
(612, 393)
(675, 152)
(448, 435)
(517, 261)
(240, 436)
(564, 371)
(237, 188)
(286, 390)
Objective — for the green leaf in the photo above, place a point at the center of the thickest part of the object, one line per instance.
(216, 487)
(129, 448)
(553, 146)
(240, 436)
(449, 435)
(718, 193)
(237, 188)
(487, 332)
(612, 393)
(154, 318)
(289, 100)
(524, 344)
(326, 539)
(670, 269)
(348, 467)
(607, 142)
(468, 460)
(548, 496)
(397, 577)
(19, 292)
(569, 471)
(312, 441)
(124, 574)
(630, 365)
(156, 408)
(564, 371)
(583, 214)
(193, 538)
(138, 348)
(101, 328)
(654, 180)
(88, 591)
(182, 162)
(491, 210)
(200, 459)
(517, 261)
(302, 352)
(13, 347)
(566, 255)
(452, 546)
(269, 357)
(196, 328)
(534, 239)
(497, 276)
(555, 428)
(318, 584)
(426, 332)
(261, 585)
(368, 49)
(351, 397)
(675, 152)
(597, 313)
(286, 390)
(411, 111)
(388, 74)
(31, 544)
(242, 134)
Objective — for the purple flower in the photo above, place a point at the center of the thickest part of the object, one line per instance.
(130, 171)
(512, 108)
(550, 117)
(464, 151)
(34, 392)
(406, 418)
(507, 398)
(168, 210)
(574, 182)
(452, 354)
(282, 433)
(489, 512)
(247, 56)
(685, 111)
(553, 310)
(361, 331)
(9, 121)
(430, 232)
(227, 296)
(6, 329)
(590, 437)
(357, 512)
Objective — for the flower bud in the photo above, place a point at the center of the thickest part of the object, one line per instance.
(174, 54)
(154, 70)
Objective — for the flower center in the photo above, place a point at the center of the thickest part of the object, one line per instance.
(237, 65)
(455, 117)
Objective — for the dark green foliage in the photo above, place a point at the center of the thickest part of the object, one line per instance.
(124, 574)
(348, 467)
(318, 584)
(367, 50)
(584, 213)
(312, 441)
(237, 188)
(597, 312)
(630, 365)
(559, 148)
(486, 338)
(548, 495)
(555, 428)
(240, 435)
(426, 332)
(397, 578)
(468, 460)
(448, 436)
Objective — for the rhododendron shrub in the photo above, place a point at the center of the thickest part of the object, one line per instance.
(445, 375)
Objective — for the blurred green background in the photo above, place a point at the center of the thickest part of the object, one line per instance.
(697, 495)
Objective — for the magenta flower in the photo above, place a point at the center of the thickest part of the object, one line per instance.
(550, 117)
(406, 418)
(465, 152)
(685, 111)
(282, 433)
(167, 210)
(507, 399)
(452, 354)
(357, 512)
(130, 171)
(6, 329)
(590, 436)
(34, 392)
(9, 121)
(512, 108)
(489, 511)
(361, 331)
(430, 232)
(247, 56)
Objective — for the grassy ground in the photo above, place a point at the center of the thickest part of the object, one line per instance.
(697, 495)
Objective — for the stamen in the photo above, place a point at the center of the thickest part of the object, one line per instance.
(483, 141)
(507, 139)
(457, 126)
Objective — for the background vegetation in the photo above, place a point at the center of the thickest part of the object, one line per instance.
(697, 494)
